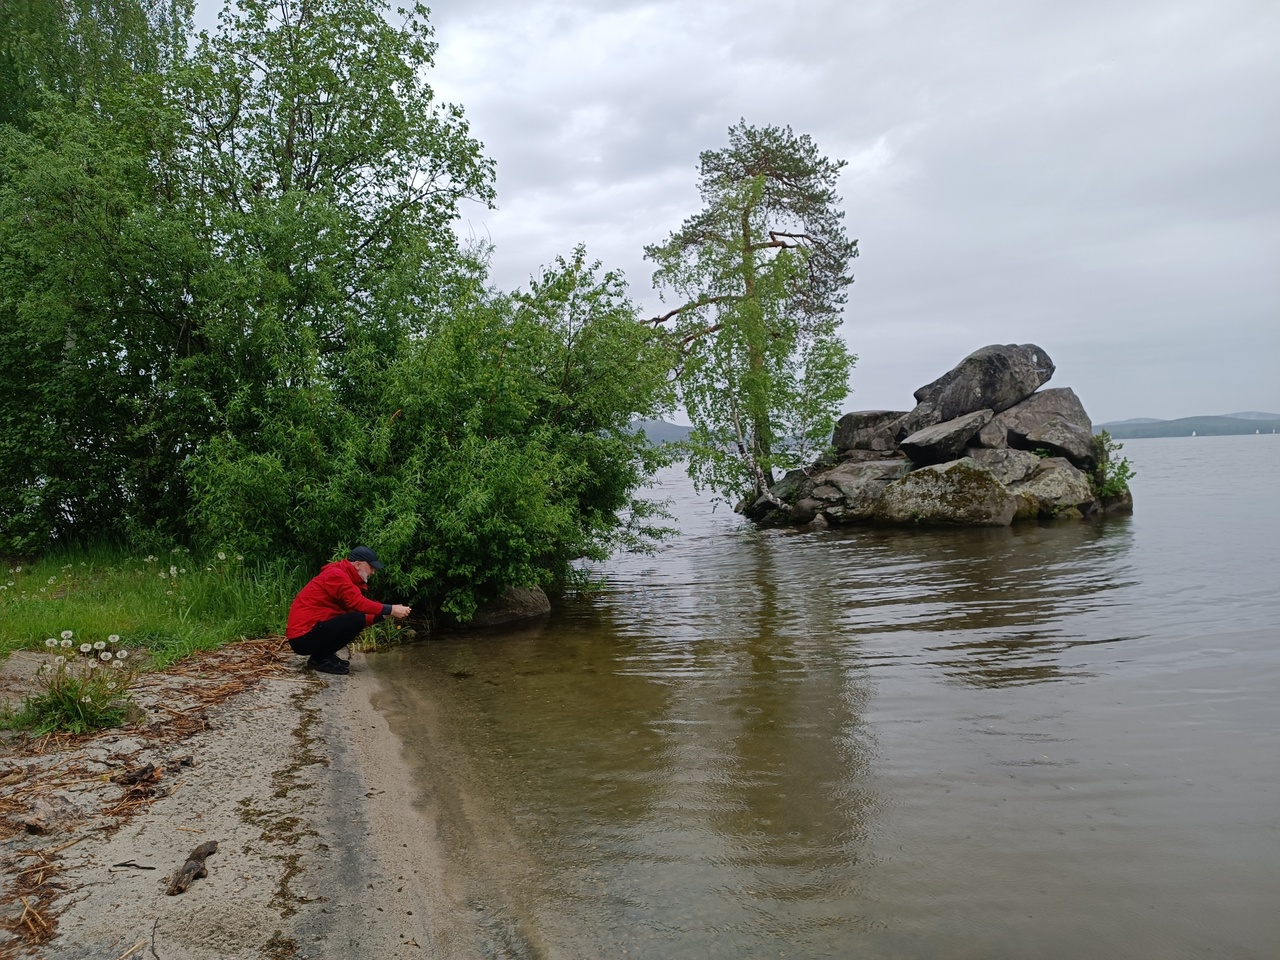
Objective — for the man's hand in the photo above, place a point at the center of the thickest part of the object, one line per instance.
(400, 611)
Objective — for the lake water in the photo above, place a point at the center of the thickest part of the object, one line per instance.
(1051, 741)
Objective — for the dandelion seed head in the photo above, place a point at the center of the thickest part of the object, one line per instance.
(122, 654)
(104, 656)
(221, 555)
(66, 642)
(51, 642)
(114, 638)
(116, 664)
(86, 648)
(52, 580)
(67, 634)
(59, 659)
(100, 645)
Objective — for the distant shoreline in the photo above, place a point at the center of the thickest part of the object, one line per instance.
(1230, 426)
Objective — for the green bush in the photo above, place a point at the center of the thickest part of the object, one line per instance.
(1112, 476)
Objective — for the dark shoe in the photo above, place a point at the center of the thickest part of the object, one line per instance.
(329, 665)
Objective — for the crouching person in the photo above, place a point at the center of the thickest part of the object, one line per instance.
(330, 611)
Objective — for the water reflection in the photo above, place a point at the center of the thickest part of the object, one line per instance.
(860, 743)
(986, 606)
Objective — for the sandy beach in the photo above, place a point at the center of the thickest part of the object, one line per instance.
(323, 849)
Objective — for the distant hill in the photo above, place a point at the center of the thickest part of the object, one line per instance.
(659, 431)
(1234, 424)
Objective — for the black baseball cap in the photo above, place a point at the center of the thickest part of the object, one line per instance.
(367, 555)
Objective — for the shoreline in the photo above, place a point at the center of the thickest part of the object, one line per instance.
(324, 850)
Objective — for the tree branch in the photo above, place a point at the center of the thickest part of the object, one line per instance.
(692, 305)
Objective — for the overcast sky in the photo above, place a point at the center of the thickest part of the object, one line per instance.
(1098, 178)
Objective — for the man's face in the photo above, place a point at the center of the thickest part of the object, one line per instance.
(365, 569)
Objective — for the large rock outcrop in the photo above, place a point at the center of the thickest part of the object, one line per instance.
(993, 378)
(984, 445)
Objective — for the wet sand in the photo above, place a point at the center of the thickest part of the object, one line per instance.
(324, 850)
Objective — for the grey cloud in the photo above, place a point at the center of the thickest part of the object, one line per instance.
(1095, 177)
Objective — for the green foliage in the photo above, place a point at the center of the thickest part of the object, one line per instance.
(1112, 476)
(760, 274)
(496, 452)
(236, 316)
(74, 49)
(84, 687)
(172, 604)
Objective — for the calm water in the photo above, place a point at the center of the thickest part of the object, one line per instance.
(1057, 741)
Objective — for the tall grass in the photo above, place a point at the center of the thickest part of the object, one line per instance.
(172, 604)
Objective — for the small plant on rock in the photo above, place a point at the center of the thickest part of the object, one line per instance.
(1111, 479)
(85, 687)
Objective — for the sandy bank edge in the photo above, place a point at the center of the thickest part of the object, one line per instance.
(322, 853)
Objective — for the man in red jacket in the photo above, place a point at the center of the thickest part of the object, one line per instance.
(332, 609)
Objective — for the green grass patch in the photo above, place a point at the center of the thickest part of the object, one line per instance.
(172, 604)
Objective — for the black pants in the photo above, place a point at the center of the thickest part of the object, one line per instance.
(329, 636)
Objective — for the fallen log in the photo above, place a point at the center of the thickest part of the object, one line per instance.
(193, 869)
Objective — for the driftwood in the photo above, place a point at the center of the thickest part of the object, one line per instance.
(193, 869)
(136, 776)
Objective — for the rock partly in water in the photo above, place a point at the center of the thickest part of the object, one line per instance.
(994, 378)
(517, 604)
(844, 493)
(983, 446)
(962, 491)
(1059, 488)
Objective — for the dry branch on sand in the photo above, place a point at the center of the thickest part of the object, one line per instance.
(84, 784)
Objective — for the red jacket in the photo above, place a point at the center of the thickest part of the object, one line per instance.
(337, 589)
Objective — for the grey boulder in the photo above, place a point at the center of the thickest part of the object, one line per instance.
(877, 430)
(1008, 466)
(962, 491)
(993, 377)
(1011, 426)
(1059, 488)
(944, 441)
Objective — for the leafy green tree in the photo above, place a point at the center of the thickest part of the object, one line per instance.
(185, 254)
(70, 49)
(239, 316)
(760, 277)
